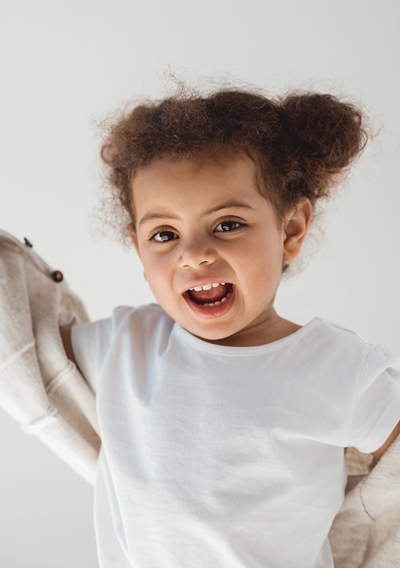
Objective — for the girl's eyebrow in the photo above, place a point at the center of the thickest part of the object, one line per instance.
(232, 204)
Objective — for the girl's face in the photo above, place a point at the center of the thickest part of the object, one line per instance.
(205, 224)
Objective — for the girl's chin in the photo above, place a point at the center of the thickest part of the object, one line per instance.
(220, 338)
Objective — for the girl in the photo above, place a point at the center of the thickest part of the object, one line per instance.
(223, 425)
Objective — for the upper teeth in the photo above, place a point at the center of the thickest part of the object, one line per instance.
(207, 286)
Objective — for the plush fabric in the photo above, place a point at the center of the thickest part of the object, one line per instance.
(366, 531)
(39, 387)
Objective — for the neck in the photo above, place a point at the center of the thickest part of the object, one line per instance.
(271, 328)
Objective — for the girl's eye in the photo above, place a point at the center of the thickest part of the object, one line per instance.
(163, 236)
(228, 226)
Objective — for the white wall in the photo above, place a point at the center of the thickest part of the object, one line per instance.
(65, 64)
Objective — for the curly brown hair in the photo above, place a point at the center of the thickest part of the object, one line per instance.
(299, 142)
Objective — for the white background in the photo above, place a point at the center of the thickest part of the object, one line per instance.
(66, 64)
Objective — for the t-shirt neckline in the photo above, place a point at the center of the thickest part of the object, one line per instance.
(195, 341)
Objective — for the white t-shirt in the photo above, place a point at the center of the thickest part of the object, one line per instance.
(227, 457)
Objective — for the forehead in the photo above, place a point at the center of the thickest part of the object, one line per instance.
(217, 174)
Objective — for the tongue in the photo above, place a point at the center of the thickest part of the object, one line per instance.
(206, 296)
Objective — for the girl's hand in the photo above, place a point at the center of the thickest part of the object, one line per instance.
(379, 452)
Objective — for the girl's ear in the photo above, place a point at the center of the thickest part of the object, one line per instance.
(132, 233)
(296, 227)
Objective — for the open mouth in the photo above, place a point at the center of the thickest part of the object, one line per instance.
(211, 295)
(212, 300)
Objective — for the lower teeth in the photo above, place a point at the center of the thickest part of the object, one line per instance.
(212, 304)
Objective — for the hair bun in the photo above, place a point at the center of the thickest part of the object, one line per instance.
(325, 129)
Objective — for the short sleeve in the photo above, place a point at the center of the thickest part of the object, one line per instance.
(90, 344)
(376, 406)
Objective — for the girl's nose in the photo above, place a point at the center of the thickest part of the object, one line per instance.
(198, 252)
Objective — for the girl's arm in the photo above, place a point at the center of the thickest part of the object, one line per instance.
(65, 332)
(379, 453)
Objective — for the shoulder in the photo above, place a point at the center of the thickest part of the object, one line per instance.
(347, 359)
(340, 333)
(336, 346)
(123, 320)
(145, 317)
(128, 331)
(343, 339)
(137, 328)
